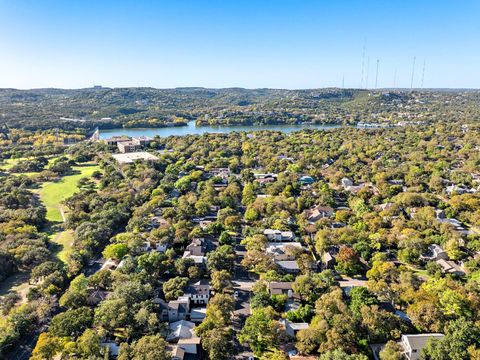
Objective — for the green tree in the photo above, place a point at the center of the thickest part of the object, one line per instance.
(47, 347)
(360, 297)
(221, 280)
(392, 351)
(115, 251)
(260, 331)
(174, 287)
(77, 293)
(71, 322)
(222, 258)
(340, 354)
(147, 347)
(461, 334)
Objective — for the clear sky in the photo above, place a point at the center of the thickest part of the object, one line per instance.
(245, 43)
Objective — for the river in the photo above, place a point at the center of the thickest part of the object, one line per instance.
(191, 129)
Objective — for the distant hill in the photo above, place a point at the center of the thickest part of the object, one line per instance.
(133, 107)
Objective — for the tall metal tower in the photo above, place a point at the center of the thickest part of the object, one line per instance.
(395, 78)
(363, 66)
(413, 72)
(423, 73)
(376, 75)
(368, 69)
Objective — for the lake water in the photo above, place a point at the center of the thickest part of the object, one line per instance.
(191, 129)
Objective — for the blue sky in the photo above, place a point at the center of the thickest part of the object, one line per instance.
(246, 43)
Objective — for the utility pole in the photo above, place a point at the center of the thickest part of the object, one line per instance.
(413, 72)
(376, 75)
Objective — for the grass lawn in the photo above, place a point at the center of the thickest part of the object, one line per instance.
(65, 241)
(53, 193)
(9, 163)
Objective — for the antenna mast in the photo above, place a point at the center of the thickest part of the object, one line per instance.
(368, 69)
(395, 78)
(413, 72)
(376, 75)
(363, 65)
(423, 73)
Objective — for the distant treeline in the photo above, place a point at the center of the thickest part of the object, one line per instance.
(148, 107)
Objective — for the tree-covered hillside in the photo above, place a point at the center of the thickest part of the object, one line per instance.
(149, 107)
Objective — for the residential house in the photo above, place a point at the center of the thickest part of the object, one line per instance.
(177, 309)
(283, 250)
(434, 253)
(450, 267)
(318, 212)
(292, 328)
(278, 235)
(176, 352)
(288, 266)
(183, 334)
(181, 329)
(306, 180)
(328, 260)
(190, 345)
(456, 224)
(158, 221)
(197, 247)
(265, 178)
(281, 288)
(346, 182)
(414, 343)
(198, 314)
(199, 292)
(196, 250)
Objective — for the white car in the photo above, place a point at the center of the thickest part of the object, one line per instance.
(235, 294)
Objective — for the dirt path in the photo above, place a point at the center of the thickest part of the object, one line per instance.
(62, 213)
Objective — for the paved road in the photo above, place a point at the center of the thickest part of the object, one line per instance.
(93, 266)
(242, 285)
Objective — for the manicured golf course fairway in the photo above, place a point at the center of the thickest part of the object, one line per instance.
(52, 194)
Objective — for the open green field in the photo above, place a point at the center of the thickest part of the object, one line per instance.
(64, 240)
(53, 193)
(9, 163)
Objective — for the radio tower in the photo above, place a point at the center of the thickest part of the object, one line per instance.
(363, 66)
(368, 69)
(376, 75)
(395, 78)
(423, 73)
(413, 72)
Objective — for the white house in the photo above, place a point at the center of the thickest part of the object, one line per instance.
(278, 235)
(199, 292)
(414, 343)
